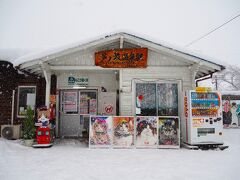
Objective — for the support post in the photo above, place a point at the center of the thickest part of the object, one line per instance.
(121, 42)
(47, 75)
(12, 115)
(48, 86)
(194, 70)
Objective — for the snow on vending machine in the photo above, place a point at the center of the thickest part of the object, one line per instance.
(202, 122)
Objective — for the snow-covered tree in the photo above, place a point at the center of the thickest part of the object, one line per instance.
(228, 79)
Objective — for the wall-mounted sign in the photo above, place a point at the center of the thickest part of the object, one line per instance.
(122, 58)
(80, 81)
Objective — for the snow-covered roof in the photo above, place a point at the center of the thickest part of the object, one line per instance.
(237, 93)
(36, 58)
(12, 54)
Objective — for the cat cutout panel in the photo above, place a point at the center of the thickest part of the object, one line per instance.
(100, 131)
(168, 132)
(146, 132)
(123, 131)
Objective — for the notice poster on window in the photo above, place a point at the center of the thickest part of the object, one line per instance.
(93, 106)
(168, 132)
(84, 104)
(146, 132)
(100, 131)
(70, 101)
(123, 131)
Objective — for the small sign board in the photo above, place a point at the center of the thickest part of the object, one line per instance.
(80, 81)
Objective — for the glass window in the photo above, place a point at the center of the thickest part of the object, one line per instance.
(26, 97)
(69, 102)
(88, 102)
(157, 99)
(146, 99)
(167, 94)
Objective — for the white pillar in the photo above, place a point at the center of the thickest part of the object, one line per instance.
(47, 97)
(47, 75)
(193, 72)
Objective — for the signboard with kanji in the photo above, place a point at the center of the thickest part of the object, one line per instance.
(122, 58)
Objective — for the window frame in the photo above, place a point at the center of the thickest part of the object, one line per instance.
(174, 81)
(25, 86)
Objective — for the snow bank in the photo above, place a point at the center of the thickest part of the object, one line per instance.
(71, 159)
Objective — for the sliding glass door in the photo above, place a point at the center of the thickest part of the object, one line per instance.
(157, 99)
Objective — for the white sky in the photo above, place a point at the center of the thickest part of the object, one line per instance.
(42, 24)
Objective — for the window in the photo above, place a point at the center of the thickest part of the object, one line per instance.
(26, 97)
(167, 96)
(88, 102)
(69, 102)
(157, 99)
(146, 99)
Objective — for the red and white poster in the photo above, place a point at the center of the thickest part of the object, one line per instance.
(70, 101)
(93, 106)
(107, 103)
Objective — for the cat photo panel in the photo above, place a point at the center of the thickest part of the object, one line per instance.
(123, 131)
(100, 131)
(146, 132)
(168, 132)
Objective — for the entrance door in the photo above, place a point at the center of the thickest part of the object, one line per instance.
(75, 107)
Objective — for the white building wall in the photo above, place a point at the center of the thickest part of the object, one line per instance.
(161, 66)
(96, 79)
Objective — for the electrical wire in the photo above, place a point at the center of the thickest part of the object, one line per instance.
(194, 41)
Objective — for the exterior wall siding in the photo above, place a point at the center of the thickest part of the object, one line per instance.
(96, 79)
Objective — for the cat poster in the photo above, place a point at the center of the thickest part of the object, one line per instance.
(168, 132)
(146, 132)
(123, 131)
(100, 131)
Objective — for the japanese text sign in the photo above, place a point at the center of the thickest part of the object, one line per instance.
(122, 58)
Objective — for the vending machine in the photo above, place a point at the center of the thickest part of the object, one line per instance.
(201, 121)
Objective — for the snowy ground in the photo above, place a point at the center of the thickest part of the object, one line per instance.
(70, 159)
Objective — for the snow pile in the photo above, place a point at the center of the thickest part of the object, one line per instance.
(70, 159)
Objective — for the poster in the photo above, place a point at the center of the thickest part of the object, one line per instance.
(168, 132)
(231, 113)
(108, 103)
(93, 106)
(100, 131)
(123, 131)
(70, 101)
(146, 131)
